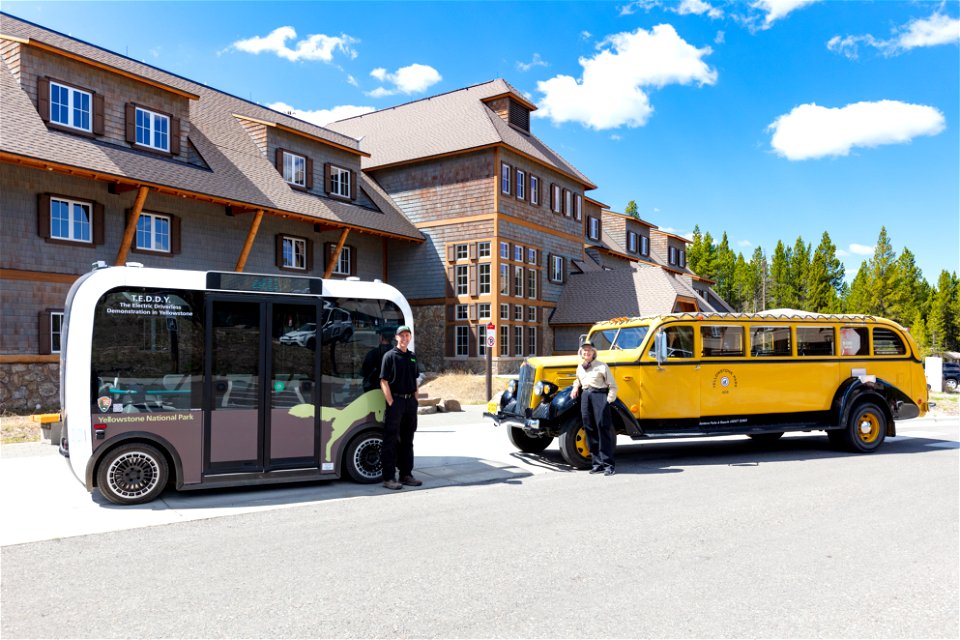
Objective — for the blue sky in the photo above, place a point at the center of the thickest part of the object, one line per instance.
(767, 119)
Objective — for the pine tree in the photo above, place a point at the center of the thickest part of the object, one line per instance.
(695, 253)
(631, 209)
(799, 266)
(920, 334)
(782, 294)
(943, 323)
(726, 262)
(857, 299)
(709, 260)
(909, 294)
(743, 284)
(758, 280)
(824, 278)
(881, 271)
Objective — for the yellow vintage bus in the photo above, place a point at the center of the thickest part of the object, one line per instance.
(720, 374)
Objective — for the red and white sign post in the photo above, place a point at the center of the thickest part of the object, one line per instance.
(491, 342)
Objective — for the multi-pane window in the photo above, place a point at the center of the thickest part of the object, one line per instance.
(682, 258)
(555, 198)
(505, 250)
(518, 341)
(482, 345)
(294, 169)
(152, 129)
(295, 253)
(521, 185)
(461, 312)
(531, 284)
(340, 182)
(766, 342)
(505, 172)
(815, 341)
(70, 220)
(518, 282)
(517, 253)
(567, 203)
(886, 342)
(153, 232)
(463, 341)
(593, 228)
(632, 241)
(577, 207)
(531, 255)
(531, 314)
(534, 190)
(504, 311)
(484, 308)
(484, 279)
(460, 251)
(462, 281)
(644, 246)
(518, 312)
(504, 280)
(342, 267)
(556, 269)
(483, 249)
(531, 341)
(721, 342)
(56, 330)
(504, 340)
(70, 107)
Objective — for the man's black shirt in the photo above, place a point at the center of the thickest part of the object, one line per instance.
(399, 369)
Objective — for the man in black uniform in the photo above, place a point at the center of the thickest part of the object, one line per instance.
(399, 382)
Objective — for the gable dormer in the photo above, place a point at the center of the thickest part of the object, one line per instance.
(512, 109)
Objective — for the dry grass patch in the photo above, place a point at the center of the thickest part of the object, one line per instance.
(948, 404)
(467, 388)
(15, 429)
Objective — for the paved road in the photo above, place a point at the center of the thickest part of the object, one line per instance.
(710, 538)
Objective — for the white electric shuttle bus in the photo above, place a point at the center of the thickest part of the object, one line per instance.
(202, 379)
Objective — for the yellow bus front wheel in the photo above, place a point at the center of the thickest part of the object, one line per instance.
(574, 447)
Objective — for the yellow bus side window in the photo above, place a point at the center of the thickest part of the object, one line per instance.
(887, 343)
(815, 341)
(766, 342)
(721, 342)
(854, 341)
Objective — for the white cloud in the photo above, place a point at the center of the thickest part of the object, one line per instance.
(537, 61)
(720, 38)
(414, 78)
(699, 8)
(746, 244)
(352, 81)
(314, 47)
(321, 117)
(860, 249)
(684, 7)
(936, 30)
(811, 131)
(777, 9)
(611, 92)
(615, 137)
(585, 35)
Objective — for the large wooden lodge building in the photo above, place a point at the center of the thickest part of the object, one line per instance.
(451, 199)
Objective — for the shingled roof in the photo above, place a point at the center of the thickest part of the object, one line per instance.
(640, 291)
(238, 172)
(447, 123)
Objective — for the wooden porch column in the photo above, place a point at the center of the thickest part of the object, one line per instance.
(336, 253)
(251, 236)
(131, 229)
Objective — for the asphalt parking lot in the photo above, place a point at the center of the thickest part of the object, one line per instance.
(45, 501)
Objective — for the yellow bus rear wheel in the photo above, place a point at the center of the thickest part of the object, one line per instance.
(866, 428)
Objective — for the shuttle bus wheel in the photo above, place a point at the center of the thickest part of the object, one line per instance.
(132, 474)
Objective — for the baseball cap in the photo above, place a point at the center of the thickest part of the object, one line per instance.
(404, 327)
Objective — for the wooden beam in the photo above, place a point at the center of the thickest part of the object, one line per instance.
(233, 211)
(29, 359)
(336, 253)
(131, 229)
(118, 187)
(251, 236)
(37, 276)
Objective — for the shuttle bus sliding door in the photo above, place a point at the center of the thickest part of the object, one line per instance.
(261, 371)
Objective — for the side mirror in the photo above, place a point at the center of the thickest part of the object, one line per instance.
(660, 347)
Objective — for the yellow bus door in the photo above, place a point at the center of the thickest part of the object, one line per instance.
(670, 392)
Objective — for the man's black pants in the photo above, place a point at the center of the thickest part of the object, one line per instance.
(599, 427)
(399, 426)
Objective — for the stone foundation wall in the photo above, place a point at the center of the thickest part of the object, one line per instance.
(428, 325)
(24, 387)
